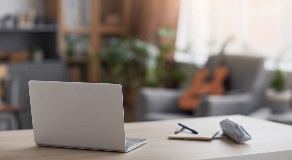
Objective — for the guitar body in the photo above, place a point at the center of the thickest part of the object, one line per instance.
(200, 87)
(203, 85)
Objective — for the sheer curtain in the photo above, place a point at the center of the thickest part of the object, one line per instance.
(260, 27)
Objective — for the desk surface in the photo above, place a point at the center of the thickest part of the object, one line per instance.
(267, 137)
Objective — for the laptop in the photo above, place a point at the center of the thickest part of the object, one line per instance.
(79, 115)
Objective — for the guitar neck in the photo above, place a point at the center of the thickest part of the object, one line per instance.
(220, 60)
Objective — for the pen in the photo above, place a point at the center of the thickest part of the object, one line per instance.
(192, 130)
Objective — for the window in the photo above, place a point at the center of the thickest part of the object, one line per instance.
(261, 27)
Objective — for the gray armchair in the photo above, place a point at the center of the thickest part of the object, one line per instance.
(244, 93)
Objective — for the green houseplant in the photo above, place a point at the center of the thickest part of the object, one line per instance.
(164, 72)
(133, 63)
(125, 61)
(77, 47)
(278, 95)
(141, 63)
(278, 82)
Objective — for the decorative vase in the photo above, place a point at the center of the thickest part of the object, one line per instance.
(279, 101)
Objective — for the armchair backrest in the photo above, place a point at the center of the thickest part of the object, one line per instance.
(245, 72)
(246, 75)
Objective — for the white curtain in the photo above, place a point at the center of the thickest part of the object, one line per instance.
(260, 27)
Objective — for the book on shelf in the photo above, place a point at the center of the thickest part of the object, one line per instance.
(77, 13)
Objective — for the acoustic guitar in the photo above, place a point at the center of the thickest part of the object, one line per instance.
(206, 82)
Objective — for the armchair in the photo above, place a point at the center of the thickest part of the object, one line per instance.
(244, 93)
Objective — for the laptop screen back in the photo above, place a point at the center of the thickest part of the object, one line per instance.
(81, 115)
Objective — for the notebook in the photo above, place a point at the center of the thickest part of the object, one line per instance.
(204, 134)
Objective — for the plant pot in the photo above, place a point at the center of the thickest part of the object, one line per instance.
(279, 102)
(129, 95)
(279, 107)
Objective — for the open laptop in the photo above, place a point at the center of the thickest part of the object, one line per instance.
(79, 115)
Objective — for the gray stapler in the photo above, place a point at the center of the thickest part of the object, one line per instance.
(234, 131)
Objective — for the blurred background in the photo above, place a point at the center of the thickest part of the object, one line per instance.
(157, 49)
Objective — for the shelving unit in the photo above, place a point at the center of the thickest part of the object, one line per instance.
(95, 30)
(14, 38)
(36, 29)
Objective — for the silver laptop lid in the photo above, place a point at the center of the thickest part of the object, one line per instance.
(73, 114)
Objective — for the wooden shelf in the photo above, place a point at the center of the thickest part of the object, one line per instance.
(43, 29)
(77, 61)
(77, 30)
(112, 30)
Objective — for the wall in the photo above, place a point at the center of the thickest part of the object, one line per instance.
(149, 15)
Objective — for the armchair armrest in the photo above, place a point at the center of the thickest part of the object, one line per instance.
(156, 101)
(225, 105)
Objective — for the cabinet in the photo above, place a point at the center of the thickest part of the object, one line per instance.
(94, 21)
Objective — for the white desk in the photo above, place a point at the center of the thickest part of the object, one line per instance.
(270, 140)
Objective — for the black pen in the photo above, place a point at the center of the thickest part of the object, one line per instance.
(193, 131)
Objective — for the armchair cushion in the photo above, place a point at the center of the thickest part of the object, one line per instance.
(225, 105)
(157, 101)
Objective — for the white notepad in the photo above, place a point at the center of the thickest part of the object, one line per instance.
(204, 134)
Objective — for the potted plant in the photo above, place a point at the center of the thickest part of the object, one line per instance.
(77, 47)
(125, 61)
(164, 72)
(278, 96)
(133, 63)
